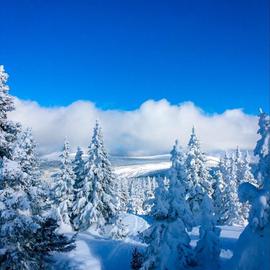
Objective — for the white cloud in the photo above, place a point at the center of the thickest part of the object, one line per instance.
(151, 129)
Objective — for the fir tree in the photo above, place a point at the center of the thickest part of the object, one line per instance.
(167, 239)
(178, 165)
(197, 175)
(233, 213)
(64, 185)
(98, 205)
(218, 194)
(25, 154)
(246, 172)
(137, 259)
(78, 169)
(208, 247)
(22, 229)
(261, 150)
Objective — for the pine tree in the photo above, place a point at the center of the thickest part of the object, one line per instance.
(252, 250)
(25, 154)
(218, 194)
(197, 175)
(246, 173)
(208, 247)
(137, 259)
(78, 169)
(22, 230)
(178, 169)
(232, 204)
(167, 239)
(243, 174)
(98, 205)
(261, 150)
(148, 195)
(64, 186)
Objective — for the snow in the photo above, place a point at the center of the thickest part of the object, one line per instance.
(140, 170)
(97, 253)
(124, 166)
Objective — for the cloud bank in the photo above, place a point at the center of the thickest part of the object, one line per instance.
(150, 129)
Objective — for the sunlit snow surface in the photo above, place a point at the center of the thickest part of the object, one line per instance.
(97, 253)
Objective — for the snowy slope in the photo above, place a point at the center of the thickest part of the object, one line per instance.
(101, 254)
(125, 166)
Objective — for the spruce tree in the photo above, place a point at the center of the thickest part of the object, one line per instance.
(252, 250)
(78, 169)
(218, 194)
(261, 150)
(25, 154)
(232, 204)
(197, 175)
(167, 239)
(99, 204)
(208, 247)
(64, 186)
(23, 241)
(137, 259)
(178, 169)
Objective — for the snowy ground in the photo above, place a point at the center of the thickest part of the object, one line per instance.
(125, 166)
(100, 254)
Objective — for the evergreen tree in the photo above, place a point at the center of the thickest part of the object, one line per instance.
(99, 204)
(243, 175)
(78, 169)
(232, 205)
(252, 250)
(261, 150)
(137, 259)
(178, 165)
(246, 173)
(197, 175)
(218, 194)
(22, 230)
(148, 195)
(24, 153)
(208, 247)
(64, 185)
(167, 239)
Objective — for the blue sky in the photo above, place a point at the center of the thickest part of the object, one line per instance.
(120, 53)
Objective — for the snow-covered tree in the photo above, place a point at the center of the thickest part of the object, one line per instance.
(262, 150)
(178, 165)
(246, 172)
(167, 239)
(243, 174)
(78, 169)
(136, 197)
(198, 178)
(25, 154)
(233, 214)
(137, 259)
(23, 232)
(218, 194)
(252, 250)
(99, 203)
(64, 185)
(208, 247)
(177, 156)
(148, 194)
